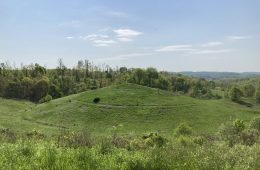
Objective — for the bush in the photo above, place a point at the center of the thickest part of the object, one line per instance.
(40, 89)
(239, 125)
(183, 129)
(258, 96)
(236, 134)
(154, 139)
(249, 137)
(185, 141)
(255, 123)
(54, 91)
(137, 144)
(236, 94)
(120, 142)
(47, 98)
(229, 133)
(199, 140)
(96, 100)
(13, 90)
(8, 135)
(249, 90)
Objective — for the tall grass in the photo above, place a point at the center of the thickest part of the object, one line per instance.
(152, 151)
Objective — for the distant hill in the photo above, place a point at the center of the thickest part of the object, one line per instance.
(221, 75)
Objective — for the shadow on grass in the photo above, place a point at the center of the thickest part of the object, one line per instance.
(244, 103)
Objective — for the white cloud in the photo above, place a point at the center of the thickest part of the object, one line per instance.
(103, 43)
(69, 38)
(238, 37)
(175, 48)
(212, 44)
(98, 40)
(125, 39)
(102, 40)
(211, 51)
(193, 50)
(126, 34)
(92, 37)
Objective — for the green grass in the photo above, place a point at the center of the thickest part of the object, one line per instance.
(12, 114)
(46, 155)
(125, 109)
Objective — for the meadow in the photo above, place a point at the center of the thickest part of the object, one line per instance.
(131, 127)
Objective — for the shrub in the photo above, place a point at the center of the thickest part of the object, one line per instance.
(236, 94)
(229, 133)
(154, 139)
(47, 98)
(120, 142)
(249, 90)
(40, 89)
(226, 95)
(183, 129)
(249, 137)
(137, 144)
(185, 141)
(255, 123)
(8, 135)
(258, 96)
(96, 100)
(54, 91)
(235, 133)
(239, 125)
(93, 87)
(199, 140)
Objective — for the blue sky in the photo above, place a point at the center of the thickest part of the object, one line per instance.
(172, 35)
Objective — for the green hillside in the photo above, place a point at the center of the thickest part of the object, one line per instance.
(127, 108)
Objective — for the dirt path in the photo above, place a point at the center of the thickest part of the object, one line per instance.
(141, 106)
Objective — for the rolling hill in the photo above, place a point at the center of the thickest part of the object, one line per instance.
(125, 109)
(221, 75)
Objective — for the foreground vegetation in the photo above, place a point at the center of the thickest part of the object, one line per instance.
(235, 146)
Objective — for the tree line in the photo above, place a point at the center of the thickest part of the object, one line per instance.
(39, 84)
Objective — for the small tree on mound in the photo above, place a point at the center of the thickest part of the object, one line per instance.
(96, 100)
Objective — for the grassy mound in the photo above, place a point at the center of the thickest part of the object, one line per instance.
(124, 109)
(136, 109)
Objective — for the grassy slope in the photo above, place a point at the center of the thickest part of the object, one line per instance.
(127, 108)
(136, 109)
(12, 113)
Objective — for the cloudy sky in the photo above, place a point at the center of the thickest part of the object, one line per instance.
(172, 35)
